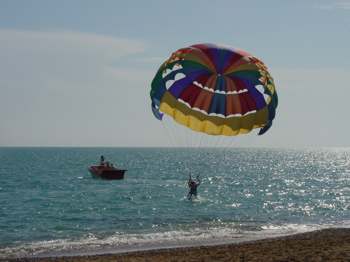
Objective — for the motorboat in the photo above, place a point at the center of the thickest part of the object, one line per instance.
(107, 172)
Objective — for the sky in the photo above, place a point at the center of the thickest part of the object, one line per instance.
(78, 73)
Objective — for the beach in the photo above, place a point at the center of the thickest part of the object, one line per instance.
(322, 245)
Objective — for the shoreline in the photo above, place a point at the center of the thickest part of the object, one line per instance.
(332, 244)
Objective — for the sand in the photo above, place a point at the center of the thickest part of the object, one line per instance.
(322, 245)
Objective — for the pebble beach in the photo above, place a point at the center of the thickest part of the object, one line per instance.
(322, 245)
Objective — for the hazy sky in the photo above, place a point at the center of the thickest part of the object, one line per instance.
(78, 73)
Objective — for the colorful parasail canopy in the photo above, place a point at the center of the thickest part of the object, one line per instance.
(215, 90)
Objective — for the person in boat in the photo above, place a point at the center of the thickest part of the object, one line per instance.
(193, 187)
(102, 160)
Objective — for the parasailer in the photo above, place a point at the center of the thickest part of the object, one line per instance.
(215, 90)
(193, 187)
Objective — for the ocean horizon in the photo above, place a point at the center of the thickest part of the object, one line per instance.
(50, 204)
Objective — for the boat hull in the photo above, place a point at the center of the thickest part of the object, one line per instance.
(107, 173)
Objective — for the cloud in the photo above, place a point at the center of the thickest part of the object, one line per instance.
(151, 60)
(47, 58)
(47, 40)
(343, 5)
(65, 88)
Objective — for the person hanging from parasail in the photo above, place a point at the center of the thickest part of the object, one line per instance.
(193, 187)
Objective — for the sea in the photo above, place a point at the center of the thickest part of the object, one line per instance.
(51, 206)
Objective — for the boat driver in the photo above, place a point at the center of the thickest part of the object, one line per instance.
(102, 160)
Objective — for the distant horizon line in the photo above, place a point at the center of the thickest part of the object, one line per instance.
(184, 147)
